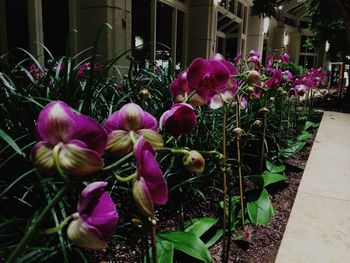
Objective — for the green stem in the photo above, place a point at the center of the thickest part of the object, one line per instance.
(154, 243)
(58, 228)
(190, 96)
(224, 175)
(125, 179)
(34, 229)
(119, 162)
(262, 151)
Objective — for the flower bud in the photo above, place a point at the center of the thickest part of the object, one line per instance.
(194, 162)
(284, 94)
(257, 123)
(264, 110)
(253, 77)
(272, 99)
(144, 94)
(238, 132)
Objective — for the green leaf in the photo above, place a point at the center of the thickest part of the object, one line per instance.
(214, 238)
(271, 178)
(292, 150)
(259, 207)
(310, 124)
(304, 136)
(188, 243)
(165, 251)
(275, 168)
(258, 180)
(199, 226)
(11, 142)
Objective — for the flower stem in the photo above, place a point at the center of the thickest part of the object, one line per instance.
(119, 162)
(58, 228)
(262, 151)
(224, 174)
(154, 243)
(34, 229)
(125, 179)
(190, 96)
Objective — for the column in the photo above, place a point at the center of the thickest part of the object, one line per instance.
(35, 29)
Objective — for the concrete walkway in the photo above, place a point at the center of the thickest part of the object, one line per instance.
(318, 228)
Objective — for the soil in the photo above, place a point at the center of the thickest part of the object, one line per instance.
(264, 241)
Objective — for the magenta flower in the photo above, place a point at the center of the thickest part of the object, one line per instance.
(207, 77)
(254, 57)
(179, 120)
(86, 67)
(126, 125)
(149, 187)
(238, 59)
(74, 142)
(300, 89)
(284, 58)
(275, 80)
(287, 76)
(179, 89)
(324, 92)
(96, 218)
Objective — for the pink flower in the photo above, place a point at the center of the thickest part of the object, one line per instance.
(179, 89)
(238, 59)
(96, 219)
(275, 80)
(284, 58)
(207, 77)
(76, 141)
(149, 186)
(287, 76)
(254, 57)
(179, 120)
(126, 125)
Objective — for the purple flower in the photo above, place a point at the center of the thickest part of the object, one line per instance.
(96, 218)
(300, 89)
(275, 80)
(126, 125)
(207, 77)
(324, 92)
(284, 58)
(179, 120)
(238, 59)
(179, 89)
(149, 187)
(287, 76)
(75, 141)
(254, 57)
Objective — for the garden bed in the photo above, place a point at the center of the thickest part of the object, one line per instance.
(264, 240)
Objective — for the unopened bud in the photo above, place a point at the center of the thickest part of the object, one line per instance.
(238, 132)
(144, 94)
(194, 162)
(137, 222)
(284, 94)
(264, 110)
(272, 99)
(257, 123)
(253, 77)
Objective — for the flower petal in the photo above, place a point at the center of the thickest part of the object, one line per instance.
(55, 123)
(41, 157)
(153, 175)
(149, 122)
(90, 132)
(216, 102)
(78, 160)
(220, 73)
(89, 193)
(142, 197)
(153, 137)
(102, 215)
(119, 143)
(85, 236)
(196, 71)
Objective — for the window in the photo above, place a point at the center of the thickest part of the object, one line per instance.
(180, 40)
(55, 25)
(164, 34)
(304, 47)
(307, 61)
(17, 28)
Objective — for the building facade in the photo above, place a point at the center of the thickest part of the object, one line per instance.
(162, 31)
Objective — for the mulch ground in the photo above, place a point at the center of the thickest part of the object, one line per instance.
(264, 240)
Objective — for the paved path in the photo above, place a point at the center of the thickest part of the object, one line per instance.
(318, 229)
